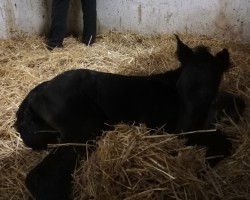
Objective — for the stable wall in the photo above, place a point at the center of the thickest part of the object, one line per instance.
(221, 18)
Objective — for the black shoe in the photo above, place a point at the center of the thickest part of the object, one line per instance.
(88, 40)
(51, 46)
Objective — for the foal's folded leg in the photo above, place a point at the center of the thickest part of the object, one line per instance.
(218, 145)
(226, 106)
(34, 131)
(52, 178)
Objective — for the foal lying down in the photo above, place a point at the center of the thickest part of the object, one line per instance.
(74, 107)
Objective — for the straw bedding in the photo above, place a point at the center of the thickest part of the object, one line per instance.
(129, 162)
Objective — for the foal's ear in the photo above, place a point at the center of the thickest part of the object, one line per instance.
(223, 59)
(183, 52)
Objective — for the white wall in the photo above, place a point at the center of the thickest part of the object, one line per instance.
(221, 18)
(226, 18)
(22, 16)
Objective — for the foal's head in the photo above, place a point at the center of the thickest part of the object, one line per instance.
(198, 83)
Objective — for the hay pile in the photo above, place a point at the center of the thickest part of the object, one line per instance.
(129, 163)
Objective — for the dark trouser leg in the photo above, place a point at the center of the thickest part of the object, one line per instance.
(89, 21)
(58, 22)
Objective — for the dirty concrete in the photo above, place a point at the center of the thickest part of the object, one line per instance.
(221, 18)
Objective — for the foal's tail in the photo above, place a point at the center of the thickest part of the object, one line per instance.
(34, 132)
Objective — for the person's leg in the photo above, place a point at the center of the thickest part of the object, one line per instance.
(89, 21)
(58, 23)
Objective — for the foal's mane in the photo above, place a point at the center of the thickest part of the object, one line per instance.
(202, 53)
(201, 49)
